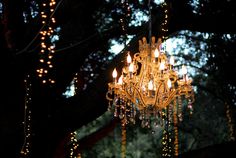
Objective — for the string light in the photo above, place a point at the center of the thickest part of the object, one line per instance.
(76, 82)
(164, 24)
(25, 150)
(230, 123)
(47, 47)
(124, 24)
(176, 138)
(124, 18)
(123, 139)
(74, 146)
(166, 137)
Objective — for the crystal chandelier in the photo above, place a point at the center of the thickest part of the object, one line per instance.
(147, 84)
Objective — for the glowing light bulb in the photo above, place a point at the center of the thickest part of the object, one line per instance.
(156, 53)
(129, 59)
(131, 67)
(162, 65)
(184, 70)
(172, 60)
(120, 80)
(114, 73)
(150, 85)
(169, 83)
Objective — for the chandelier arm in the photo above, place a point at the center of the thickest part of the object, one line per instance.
(170, 98)
(173, 92)
(157, 94)
(133, 100)
(109, 92)
(141, 98)
(137, 57)
(187, 92)
(191, 95)
(107, 95)
(192, 98)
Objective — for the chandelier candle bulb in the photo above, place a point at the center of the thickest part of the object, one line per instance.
(156, 55)
(120, 80)
(172, 61)
(114, 75)
(186, 78)
(131, 69)
(162, 66)
(169, 84)
(150, 88)
(184, 72)
(129, 59)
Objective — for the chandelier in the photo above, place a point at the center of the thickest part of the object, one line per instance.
(147, 84)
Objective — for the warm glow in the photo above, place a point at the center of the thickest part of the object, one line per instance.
(114, 73)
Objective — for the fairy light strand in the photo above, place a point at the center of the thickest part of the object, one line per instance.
(124, 24)
(47, 47)
(164, 24)
(76, 82)
(74, 146)
(230, 123)
(176, 138)
(123, 20)
(166, 137)
(123, 139)
(25, 150)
